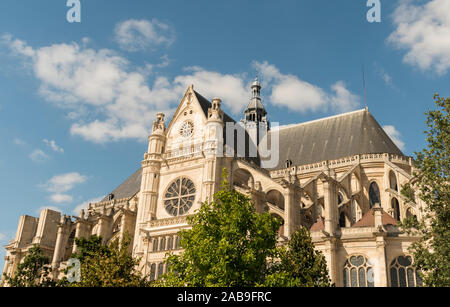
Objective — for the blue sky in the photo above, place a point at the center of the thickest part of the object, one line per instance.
(78, 99)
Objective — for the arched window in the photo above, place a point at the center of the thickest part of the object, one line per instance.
(358, 272)
(162, 244)
(396, 208)
(160, 269)
(393, 181)
(155, 244)
(177, 242)
(374, 194)
(170, 243)
(403, 274)
(152, 272)
(342, 219)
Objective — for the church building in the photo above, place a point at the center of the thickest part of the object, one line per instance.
(338, 176)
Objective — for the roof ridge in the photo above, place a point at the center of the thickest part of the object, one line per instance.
(319, 119)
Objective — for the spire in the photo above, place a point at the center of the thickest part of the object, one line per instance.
(255, 111)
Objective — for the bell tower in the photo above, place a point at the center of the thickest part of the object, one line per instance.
(255, 120)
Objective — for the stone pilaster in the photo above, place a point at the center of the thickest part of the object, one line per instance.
(331, 206)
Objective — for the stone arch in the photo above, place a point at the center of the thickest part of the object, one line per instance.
(275, 198)
(117, 224)
(393, 181)
(243, 178)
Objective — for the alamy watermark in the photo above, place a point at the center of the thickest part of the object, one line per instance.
(74, 13)
(374, 14)
(73, 270)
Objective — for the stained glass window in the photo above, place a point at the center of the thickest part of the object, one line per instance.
(358, 272)
(179, 197)
(403, 273)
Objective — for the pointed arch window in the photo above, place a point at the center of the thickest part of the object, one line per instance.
(358, 272)
(403, 274)
(374, 194)
(342, 219)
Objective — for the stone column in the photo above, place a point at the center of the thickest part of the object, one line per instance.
(330, 256)
(289, 211)
(330, 204)
(60, 240)
(380, 269)
(82, 229)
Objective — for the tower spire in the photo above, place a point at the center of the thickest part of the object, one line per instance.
(255, 111)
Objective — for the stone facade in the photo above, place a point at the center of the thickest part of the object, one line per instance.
(350, 203)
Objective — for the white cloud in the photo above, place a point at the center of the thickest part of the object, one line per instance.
(60, 198)
(2, 237)
(19, 142)
(298, 95)
(84, 205)
(395, 136)
(65, 182)
(165, 61)
(53, 145)
(232, 89)
(423, 30)
(38, 156)
(59, 185)
(106, 99)
(136, 35)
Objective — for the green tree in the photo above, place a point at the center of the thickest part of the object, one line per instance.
(231, 245)
(33, 271)
(227, 246)
(107, 265)
(299, 264)
(430, 179)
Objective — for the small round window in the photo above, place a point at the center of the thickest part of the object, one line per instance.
(186, 129)
(179, 197)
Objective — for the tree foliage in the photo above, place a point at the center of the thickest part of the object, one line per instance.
(107, 265)
(33, 271)
(299, 264)
(231, 245)
(430, 178)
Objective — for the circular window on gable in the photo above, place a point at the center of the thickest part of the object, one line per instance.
(186, 129)
(179, 197)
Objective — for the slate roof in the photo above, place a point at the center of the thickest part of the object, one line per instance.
(206, 104)
(332, 138)
(129, 187)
